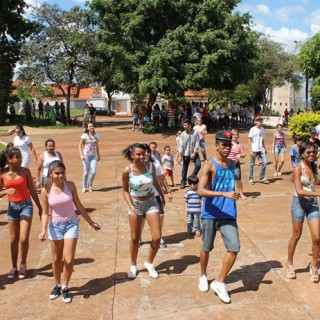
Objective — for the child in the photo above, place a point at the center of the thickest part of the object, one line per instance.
(177, 163)
(168, 164)
(153, 146)
(278, 148)
(193, 205)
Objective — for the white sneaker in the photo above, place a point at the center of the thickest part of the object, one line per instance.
(220, 289)
(203, 283)
(251, 181)
(152, 271)
(133, 272)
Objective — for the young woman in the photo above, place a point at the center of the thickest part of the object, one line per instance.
(19, 188)
(58, 197)
(44, 161)
(89, 155)
(86, 115)
(139, 179)
(305, 204)
(278, 148)
(202, 131)
(235, 155)
(23, 142)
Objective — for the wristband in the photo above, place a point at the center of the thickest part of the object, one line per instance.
(91, 223)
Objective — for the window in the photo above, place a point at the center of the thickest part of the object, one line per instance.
(280, 103)
(275, 103)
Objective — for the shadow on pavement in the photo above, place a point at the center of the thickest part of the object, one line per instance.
(177, 266)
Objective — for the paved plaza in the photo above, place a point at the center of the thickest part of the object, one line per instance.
(257, 284)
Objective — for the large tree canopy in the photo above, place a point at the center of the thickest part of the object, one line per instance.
(170, 46)
(14, 29)
(58, 52)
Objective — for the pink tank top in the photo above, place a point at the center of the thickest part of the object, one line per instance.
(61, 205)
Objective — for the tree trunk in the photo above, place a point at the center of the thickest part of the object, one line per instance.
(5, 87)
(109, 94)
(68, 119)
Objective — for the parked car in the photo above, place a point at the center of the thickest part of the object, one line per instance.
(101, 111)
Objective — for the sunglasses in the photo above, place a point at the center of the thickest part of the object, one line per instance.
(311, 152)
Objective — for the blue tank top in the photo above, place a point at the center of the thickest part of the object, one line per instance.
(221, 207)
(141, 185)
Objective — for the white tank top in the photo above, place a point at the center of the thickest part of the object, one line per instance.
(47, 160)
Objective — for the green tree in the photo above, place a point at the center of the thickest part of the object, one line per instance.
(59, 51)
(170, 46)
(14, 28)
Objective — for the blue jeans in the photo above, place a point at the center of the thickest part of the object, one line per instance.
(263, 164)
(202, 145)
(186, 161)
(194, 218)
(90, 163)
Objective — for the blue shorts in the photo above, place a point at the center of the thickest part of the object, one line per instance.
(237, 171)
(63, 229)
(17, 210)
(278, 150)
(301, 207)
(145, 207)
(229, 232)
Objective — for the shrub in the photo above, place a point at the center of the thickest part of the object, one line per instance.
(302, 123)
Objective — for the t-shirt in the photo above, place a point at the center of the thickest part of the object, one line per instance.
(168, 161)
(192, 198)
(200, 129)
(295, 156)
(22, 144)
(257, 135)
(90, 144)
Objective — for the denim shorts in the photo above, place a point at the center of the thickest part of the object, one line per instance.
(16, 210)
(145, 207)
(229, 232)
(237, 171)
(301, 207)
(63, 229)
(278, 150)
(161, 211)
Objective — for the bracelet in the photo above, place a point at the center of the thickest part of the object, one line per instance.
(90, 224)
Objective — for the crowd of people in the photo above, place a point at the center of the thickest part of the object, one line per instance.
(210, 201)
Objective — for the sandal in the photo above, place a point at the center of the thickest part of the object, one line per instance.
(314, 276)
(290, 271)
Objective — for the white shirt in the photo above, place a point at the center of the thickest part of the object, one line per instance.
(23, 145)
(257, 135)
(168, 161)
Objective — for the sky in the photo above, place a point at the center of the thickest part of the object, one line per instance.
(286, 21)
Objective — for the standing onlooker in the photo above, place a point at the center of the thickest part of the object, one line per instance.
(44, 161)
(47, 109)
(313, 139)
(286, 116)
(201, 128)
(278, 148)
(90, 155)
(219, 212)
(156, 115)
(164, 116)
(222, 115)
(205, 115)
(235, 155)
(19, 188)
(139, 180)
(135, 119)
(27, 110)
(193, 206)
(168, 164)
(257, 111)
(92, 111)
(40, 108)
(257, 149)
(58, 197)
(295, 151)
(171, 118)
(188, 151)
(248, 115)
(178, 134)
(86, 116)
(234, 112)
(305, 204)
(23, 142)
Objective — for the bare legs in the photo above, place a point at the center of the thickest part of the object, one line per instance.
(240, 188)
(278, 163)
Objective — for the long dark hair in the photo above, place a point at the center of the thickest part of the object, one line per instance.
(20, 127)
(305, 146)
(53, 165)
(127, 152)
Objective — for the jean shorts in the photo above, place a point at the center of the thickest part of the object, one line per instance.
(145, 207)
(278, 150)
(17, 210)
(63, 229)
(161, 211)
(229, 232)
(237, 171)
(301, 207)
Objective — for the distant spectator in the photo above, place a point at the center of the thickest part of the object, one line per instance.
(257, 111)
(92, 111)
(47, 108)
(40, 108)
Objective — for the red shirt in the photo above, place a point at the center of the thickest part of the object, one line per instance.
(22, 191)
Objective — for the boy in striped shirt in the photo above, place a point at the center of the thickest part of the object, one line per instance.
(193, 205)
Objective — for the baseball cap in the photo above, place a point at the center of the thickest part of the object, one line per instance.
(224, 135)
(314, 131)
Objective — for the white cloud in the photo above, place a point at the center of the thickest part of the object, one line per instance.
(34, 3)
(262, 8)
(315, 28)
(283, 14)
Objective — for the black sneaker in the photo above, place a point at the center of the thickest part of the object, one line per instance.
(55, 293)
(66, 295)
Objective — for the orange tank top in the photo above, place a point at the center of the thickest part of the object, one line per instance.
(22, 191)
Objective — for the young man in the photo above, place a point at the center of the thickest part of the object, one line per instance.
(188, 151)
(219, 213)
(257, 149)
